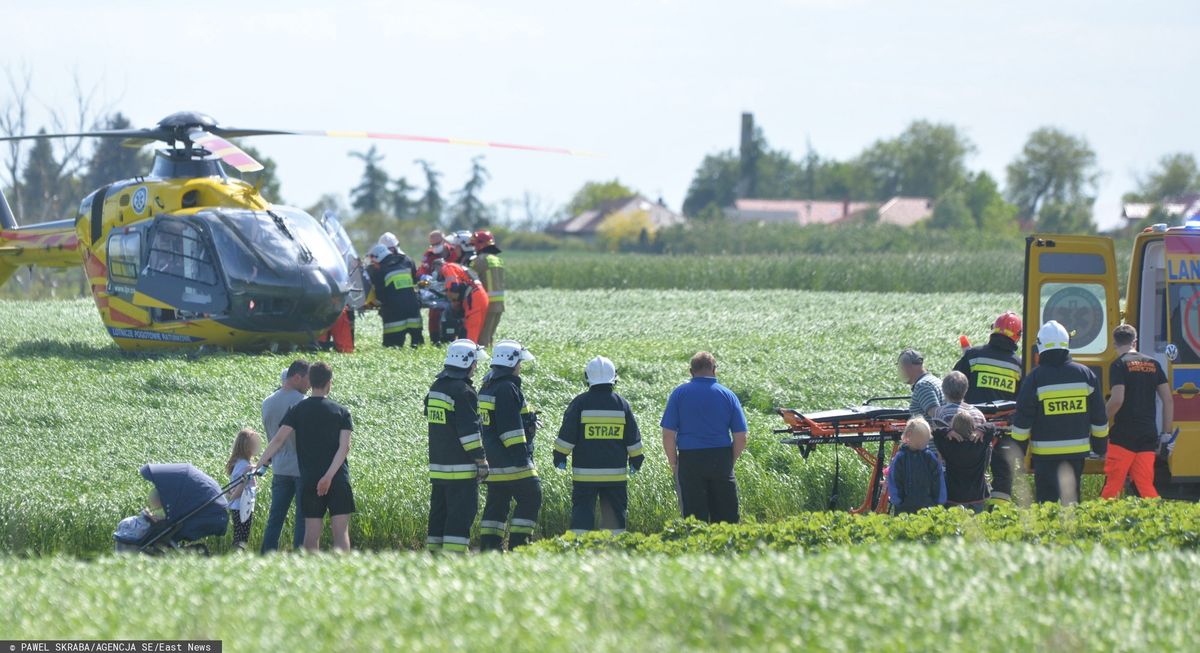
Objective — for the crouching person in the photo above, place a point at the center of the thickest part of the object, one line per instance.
(600, 434)
(915, 477)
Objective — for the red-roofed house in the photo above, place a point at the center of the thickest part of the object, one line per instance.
(586, 223)
(903, 211)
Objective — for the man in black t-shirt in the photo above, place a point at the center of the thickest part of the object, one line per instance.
(322, 429)
(1134, 436)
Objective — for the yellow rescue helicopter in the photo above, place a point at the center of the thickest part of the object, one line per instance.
(187, 256)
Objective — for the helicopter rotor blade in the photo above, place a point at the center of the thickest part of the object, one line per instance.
(228, 152)
(412, 138)
(129, 134)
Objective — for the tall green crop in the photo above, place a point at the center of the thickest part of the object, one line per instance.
(78, 417)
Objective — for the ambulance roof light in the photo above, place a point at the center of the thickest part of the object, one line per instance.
(1158, 227)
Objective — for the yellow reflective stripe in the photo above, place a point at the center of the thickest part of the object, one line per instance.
(600, 479)
(454, 548)
(1064, 394)
(1100, 431)
(1046, 450)
(635, 450)
(526, 409)
(470, 446)
(1053, 389)
(1020, 434)
(514, 476)
(602, 420)
(561, 449)
(438, 403)
(399, 279)
(452, 476)
(487, 405)
(996, 370)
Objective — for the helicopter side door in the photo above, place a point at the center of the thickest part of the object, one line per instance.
(1073, 280)
(180, 278)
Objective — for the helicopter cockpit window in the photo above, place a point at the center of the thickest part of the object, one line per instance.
(176, 249)
(283, 240)
(124, 256)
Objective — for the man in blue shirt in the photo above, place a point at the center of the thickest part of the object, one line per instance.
(697, 425)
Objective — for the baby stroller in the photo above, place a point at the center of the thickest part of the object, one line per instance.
(194, 505)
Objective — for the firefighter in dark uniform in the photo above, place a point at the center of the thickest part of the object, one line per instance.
(456, 456)
(508, 440)
(393, 286)
(994, 374)
(1060, 416)
(601, 435)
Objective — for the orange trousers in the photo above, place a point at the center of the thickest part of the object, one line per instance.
(473, 323)
(1120, 463)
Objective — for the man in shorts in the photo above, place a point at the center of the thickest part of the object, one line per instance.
(322, 428)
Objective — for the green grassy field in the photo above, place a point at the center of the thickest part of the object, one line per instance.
(77, 417)
(900, 597)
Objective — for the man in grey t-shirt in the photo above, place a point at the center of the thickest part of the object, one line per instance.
(926, 388)
(285, 481)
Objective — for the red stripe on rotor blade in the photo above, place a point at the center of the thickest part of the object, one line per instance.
(236, 159)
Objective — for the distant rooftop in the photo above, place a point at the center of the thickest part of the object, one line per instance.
(902, 211)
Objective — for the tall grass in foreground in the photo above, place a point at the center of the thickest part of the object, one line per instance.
(951, 597)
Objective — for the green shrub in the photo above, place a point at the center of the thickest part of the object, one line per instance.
(1130, 524)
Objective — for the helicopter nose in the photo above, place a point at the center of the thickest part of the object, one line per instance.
(322, 301)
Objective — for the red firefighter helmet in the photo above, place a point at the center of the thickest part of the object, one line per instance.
(1009, 324)
(483, 238)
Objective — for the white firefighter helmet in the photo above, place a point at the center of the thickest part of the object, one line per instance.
(1053, 335)
(508, 353)
(600, 370)
(389, 240)
(378, 252)
(463, 353)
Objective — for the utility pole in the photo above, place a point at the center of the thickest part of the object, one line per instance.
(748, 159)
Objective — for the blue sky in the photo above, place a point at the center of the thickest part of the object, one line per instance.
(654, 85)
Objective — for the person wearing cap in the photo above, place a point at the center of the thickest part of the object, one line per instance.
(507, 440)
(285, 479)
(600, 434)
(433, 257)
(704, 433)
(393, 286)
(926, 388)
(994, 373)
(1060, 417)
(490, 268)
(457, 461)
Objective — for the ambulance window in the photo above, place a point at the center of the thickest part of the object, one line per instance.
(1083, 309)
(1185, 322)
(1152, 314)
(1070, 263)
(124, 256)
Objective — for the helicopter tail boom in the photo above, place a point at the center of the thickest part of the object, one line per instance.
(49, 244)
